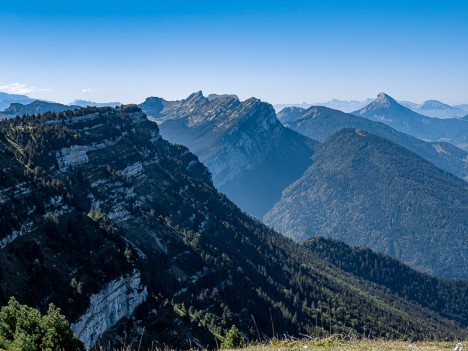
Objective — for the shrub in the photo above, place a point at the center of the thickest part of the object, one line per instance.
(22, 328)
(233, 339)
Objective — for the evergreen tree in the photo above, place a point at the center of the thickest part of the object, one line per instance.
(22, 328)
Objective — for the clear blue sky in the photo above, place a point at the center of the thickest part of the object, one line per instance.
(280, 51)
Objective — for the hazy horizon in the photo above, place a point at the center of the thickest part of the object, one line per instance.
(282, 53)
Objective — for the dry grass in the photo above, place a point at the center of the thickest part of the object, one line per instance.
(361, 345)
(334, 344)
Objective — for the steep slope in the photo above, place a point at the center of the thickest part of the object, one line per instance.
(386, 110)
(8, 99)
(36, 107)
(395, 276)
(251, 155)
(366, 190)
(160, 248)
(319, 123)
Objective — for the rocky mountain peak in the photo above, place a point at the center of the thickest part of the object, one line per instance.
(382, 102)
(196, 97)
(384, 99)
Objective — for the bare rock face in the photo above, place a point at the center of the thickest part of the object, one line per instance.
(116, 300)
(71, 156)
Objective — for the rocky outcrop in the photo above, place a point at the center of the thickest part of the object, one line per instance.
(71, 156)
(118, 299)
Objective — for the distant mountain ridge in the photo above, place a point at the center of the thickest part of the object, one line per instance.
(430, 108)
(251, 155)
(435, 108)
(84, 103)
(342, 105)
(368, 191)
(463, 107)
(7, 99)
(319, 123)
(386, 110)
(36, 107)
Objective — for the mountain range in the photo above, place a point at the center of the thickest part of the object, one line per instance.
(386, 110)
(319, 123)
(126, 231)
(250, 154)
(342, 105)
(218, 130)
(434, 108)
(369, 191)
(253, 158)
(7, 99)
(430, 108)
(85, 103)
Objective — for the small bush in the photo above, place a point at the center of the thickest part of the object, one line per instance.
(233, 339)
(22, 328)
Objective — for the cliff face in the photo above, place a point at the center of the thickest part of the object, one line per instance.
(116, 300)
(123, 230)
(251, 155)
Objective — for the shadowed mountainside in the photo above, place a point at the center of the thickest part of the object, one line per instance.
(368, 191)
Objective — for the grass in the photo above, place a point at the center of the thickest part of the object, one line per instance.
(336, 344)
(361, 345)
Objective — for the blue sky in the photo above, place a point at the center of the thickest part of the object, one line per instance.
(279, 51)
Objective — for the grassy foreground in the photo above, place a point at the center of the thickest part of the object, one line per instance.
(361, 345)
(338, 345)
